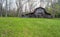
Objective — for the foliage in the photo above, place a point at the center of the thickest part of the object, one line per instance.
(57, 6)
(56, 9)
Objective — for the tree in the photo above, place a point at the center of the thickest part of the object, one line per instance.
(1, 8)
(53, 2)
(6, 8)
(57, 10)
(19, 9)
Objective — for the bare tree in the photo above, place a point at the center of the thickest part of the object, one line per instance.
(19, 9)
(6, 7)
(1, 8)
(31, 5)
(40, 3)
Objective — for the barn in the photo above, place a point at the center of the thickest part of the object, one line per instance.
(38, 13)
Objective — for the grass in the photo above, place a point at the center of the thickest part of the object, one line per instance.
(29, 27)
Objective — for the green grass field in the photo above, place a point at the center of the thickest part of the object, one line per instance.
(29, 27)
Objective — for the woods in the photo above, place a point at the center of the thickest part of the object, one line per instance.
(17, 8)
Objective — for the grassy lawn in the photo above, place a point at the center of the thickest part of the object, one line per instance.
(29, 27)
